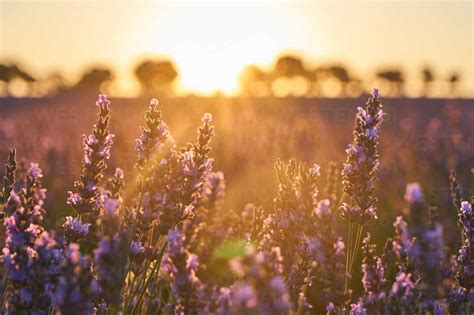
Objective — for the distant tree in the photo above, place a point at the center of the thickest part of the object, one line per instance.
(54, 83)
(8, 73)
(342, 75)
(453, 80)
(57, 81)
(395, 80)
(255, 82)
(289, 66)
(156, 77)
(316, 77)
(320, 76)
(93, 80)
(289, 76)
(428, 78)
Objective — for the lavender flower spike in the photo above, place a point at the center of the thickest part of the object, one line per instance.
(96, 151)
(182, 266)
(360, 168)
(465, 274)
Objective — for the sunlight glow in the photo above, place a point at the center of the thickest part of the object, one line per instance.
(215, 43)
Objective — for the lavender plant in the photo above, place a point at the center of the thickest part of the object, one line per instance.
(462, 295)
(359, 173)
(24, 214)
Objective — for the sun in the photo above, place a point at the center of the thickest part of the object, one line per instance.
(212, 44)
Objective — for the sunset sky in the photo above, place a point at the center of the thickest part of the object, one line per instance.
(210, 42)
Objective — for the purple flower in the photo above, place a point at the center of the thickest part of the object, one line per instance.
(207, 118)
(73, 199)
(376, 92)
(214, 187)
(401, 243)
(261, 290)
(118, 173)
(154, 102)
(189, 166)
(331, 309)
(102, 101)
(357, 309)
(136, 249)
(314, 170)
(323, 208)
(35, 171)
(403, 285)
(111, 206)
(413, 193)
(74, 229)
(340, 247)
(223, 301)
(466, 208)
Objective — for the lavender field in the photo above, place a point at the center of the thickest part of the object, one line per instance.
(262, 157)
(275, 206)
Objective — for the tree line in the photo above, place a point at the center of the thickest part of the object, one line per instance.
(289, 75)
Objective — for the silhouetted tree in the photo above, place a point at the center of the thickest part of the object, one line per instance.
(316, 78)
(93, 80)
(255, 82)
(8, 73)
(54, 83)
(453, 83)
(321, 75)
(395, 80)
(57, 80)
(428, 77)
(289, 76)
(342, 75)
(289, 66)
(156, 77)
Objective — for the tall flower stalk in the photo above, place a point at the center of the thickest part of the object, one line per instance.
(287, 227)
(463, 294)
(359, 173)
(23, 227)
(86, 201)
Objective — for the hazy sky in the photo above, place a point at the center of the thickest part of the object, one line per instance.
(211, 41)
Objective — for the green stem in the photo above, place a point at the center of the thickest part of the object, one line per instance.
(356, 246)
(300, 306)
(136, 289)
(155, 268)
(349, 241)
